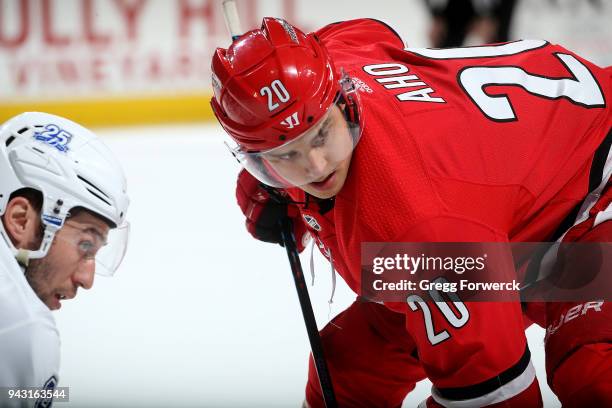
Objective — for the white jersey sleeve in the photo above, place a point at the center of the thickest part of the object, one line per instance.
(29, 339)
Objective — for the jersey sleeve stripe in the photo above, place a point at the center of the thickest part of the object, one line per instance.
(507, 384)
(598, 178)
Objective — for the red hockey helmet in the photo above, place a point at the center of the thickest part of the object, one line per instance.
(272, 86)
(267, 76)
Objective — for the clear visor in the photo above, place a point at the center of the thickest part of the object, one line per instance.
(313, 155)
(110, 256)
(107, 248)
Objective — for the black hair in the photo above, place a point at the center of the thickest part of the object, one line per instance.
(35, 197)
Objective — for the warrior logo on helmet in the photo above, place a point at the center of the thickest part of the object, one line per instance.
(291, 121)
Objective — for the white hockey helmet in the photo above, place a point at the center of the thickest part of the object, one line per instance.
(71, 167)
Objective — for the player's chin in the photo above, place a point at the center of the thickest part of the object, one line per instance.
(321, 195)
(53, 302)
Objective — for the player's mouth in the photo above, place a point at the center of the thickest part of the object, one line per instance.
(326, 183)
(57, 298)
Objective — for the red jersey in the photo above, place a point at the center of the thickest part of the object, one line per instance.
(484, 144)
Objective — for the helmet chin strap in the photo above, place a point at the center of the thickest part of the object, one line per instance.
(23, 257)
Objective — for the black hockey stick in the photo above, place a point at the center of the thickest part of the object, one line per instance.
(233, 25)
(309, 320)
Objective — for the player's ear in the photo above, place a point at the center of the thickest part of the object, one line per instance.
(21, 222)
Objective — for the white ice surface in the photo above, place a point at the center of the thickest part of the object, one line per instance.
(199, 314)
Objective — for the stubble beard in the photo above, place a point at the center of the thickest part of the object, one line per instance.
(36, 276)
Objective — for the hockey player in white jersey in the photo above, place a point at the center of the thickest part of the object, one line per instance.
(63, 205)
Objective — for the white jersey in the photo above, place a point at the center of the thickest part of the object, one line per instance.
(29, 339)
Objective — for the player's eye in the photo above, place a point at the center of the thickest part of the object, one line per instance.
(289, 156)
(89, 245)
(87, 248)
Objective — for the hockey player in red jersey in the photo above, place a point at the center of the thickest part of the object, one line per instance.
(373, 142)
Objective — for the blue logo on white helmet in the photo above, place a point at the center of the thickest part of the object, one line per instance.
(54, 136)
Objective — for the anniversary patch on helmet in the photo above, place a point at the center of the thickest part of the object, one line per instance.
(54, 136)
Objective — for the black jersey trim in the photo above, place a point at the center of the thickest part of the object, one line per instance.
(595, 177)
(490, 385)
(599, 161)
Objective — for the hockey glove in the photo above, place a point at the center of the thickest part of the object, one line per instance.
(264, 208)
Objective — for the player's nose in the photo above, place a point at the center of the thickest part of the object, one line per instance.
(84, 276)
(317, 163)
